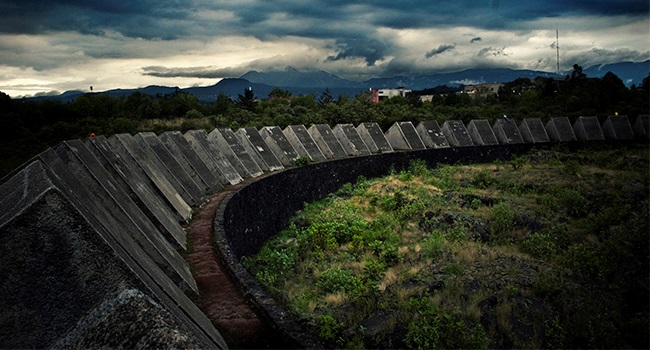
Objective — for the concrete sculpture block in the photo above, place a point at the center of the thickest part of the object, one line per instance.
(481, 133)
(618, 128)
(533, 131)
(560, 129)
(328, 143)
(588, 129)
(350, 140)
(431, 135)
(456, 133)
(301, 141)
(374, 138)
(403, 136)
(252, 141)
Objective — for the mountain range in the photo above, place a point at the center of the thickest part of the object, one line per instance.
(315, 82)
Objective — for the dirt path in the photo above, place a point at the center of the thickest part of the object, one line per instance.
(220, 299)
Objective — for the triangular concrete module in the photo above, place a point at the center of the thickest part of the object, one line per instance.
(560, 129)
(618, 128)
(328, 143)
(303, 143)
(279, 145)
(159, 183)
(642, 126)
(588, 129)
(252, 141)
(212, 156)
(374, 138)
(481, 132)
(180, 148)
(507, 132)
(235, 152)
(431, 135)
(350, 140)
(158, 152)
(403, 136)
(68, 261)
(456, 133)
(532, 130)
(88, 177)
(160, 213)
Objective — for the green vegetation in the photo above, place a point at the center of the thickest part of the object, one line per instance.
(28, 127)
(549, 250)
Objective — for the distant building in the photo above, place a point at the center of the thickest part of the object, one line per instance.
(379, 94)
(482, 89)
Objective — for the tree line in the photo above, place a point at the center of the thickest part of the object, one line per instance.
(28, 127)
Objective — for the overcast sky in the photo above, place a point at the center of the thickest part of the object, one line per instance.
(48, 46)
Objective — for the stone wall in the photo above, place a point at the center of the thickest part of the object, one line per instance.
(91, 230)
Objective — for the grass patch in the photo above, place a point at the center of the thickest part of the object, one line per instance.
(547, 250)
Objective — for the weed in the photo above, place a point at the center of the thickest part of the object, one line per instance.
(302, 161)
(501, 219)
(483, 179)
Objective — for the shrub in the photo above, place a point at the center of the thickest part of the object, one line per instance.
(433, 245)
(328, 328)
(540, 244)
(483, 179)
(501, 219)
(335, 280)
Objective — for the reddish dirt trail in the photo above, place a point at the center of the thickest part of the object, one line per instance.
(220, 299)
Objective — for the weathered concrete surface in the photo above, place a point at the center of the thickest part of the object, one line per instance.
(156, 327)
(618, 128)
(303, 143)
(141, 190)
(507, 132)
(279, 145)
(532, 130)
(431, 135)
(212, 156)
(327, 141)
(228, 144)
(124, 145)
(62, 259)
(560, 129)
(481, 133)
(164, 159)
(456, 133)
(350, 140)
(374, 138)
(89, 177)
(403, 136)
(180, 148)
(252, 141)
(588, 129)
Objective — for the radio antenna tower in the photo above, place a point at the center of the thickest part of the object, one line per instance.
(557, 47)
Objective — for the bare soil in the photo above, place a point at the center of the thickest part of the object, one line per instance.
(219, 297)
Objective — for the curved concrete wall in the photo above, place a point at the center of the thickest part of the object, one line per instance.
(91, 230)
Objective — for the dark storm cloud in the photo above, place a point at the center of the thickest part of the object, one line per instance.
(440, 49)
(171, 18)
(371, 50)
(351, 26)
(194, 72)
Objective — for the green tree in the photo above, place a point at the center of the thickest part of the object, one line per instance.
(247, 101)
(279, 93)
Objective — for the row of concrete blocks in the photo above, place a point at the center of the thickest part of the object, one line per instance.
(121, 201)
